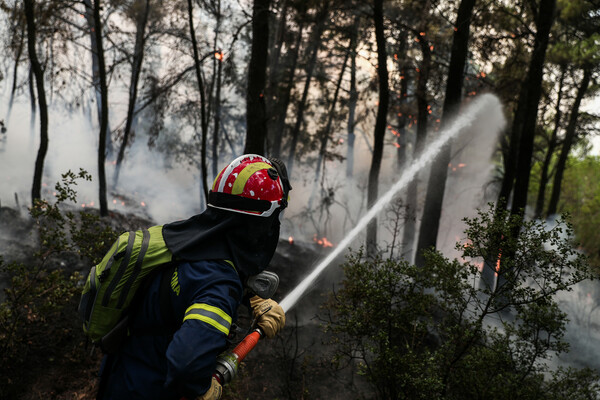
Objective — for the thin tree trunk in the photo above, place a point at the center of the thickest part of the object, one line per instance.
(401, 139)
(546, 15)
(104, 108)
(36, 190)
(570, 137)
(539, 204)
(13, 88)
(218, 58)
(436, 187)
(279, 39)
(352, 101)
(256, 115)
(325, 133)
(217, 120)
(286, 96)
(380, 124)
(136, 71)
(89, 17)
(410, 224)
(203, 119)
(32, 101)
(321, 19)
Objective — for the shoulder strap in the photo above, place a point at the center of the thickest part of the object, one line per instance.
(111, 342)
(164, 296)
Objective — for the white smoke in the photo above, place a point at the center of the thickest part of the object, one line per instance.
(150, 187)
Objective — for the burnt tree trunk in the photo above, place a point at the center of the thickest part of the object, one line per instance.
(380, 124)
(256, 116)
(552, 143)
(434, 198)
(203, 118)
(316, 40)
(136, 71)
(546, 15)
(36, 190)
(570, 137)
(104, 110)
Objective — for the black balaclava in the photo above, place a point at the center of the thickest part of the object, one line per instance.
(249, 241)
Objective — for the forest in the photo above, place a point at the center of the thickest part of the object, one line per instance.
(446, 152)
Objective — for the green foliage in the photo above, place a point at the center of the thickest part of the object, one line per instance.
(580, 197)
(37, 311)
(433, 333)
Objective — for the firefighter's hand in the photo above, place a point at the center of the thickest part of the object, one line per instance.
(268, 314)
(213, 393)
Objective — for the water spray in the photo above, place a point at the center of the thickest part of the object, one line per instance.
(228, 362)
(461, 122)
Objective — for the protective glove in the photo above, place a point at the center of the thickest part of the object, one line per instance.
(214, 392)
(268, 314)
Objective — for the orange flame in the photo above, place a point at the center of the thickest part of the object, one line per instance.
(322, 242)
(291, 240)
(219, 55)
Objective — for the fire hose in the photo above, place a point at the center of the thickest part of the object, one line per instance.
(229, 362)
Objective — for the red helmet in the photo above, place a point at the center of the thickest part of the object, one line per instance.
(251, 184)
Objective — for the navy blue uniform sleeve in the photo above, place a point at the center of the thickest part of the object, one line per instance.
(209, 294)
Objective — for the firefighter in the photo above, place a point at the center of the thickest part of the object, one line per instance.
(186, 315)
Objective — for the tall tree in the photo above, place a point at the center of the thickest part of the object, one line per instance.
(423, 104)
(36, 190)
(552, 144)
(324, 134)
(545, 19)
(352, 102)
(321, 21)
(256, 118)
(380, 123)
(286, 94)
(89, 17)
(140, 14)
(570, 137)
(439, 170)
(203, 116)
(104, 110)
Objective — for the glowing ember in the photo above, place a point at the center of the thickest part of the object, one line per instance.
(322, 242)
(291, 240)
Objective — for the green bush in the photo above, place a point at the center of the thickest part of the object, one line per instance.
(38, 314)
(433, 333)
